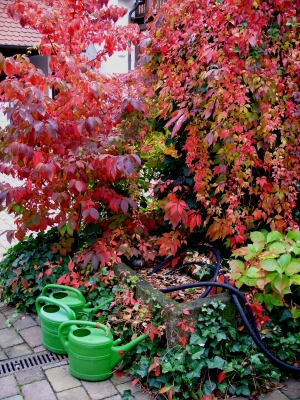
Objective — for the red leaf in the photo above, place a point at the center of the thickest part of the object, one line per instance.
(135, 381)
(221, 376)
(124, 206)
(152, 366)
(8, 66)
(87, 258)
(94, 214)
(80, 186)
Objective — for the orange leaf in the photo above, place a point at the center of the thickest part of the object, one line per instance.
(164, 389)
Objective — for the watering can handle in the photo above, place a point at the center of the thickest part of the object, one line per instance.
(66, 288)
(70, 313)
(85, 323)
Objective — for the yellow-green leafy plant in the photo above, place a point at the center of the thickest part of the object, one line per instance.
(271, 265)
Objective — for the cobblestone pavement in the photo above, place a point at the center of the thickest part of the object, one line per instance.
(20, 336)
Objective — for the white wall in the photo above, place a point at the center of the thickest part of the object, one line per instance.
(3, 118)
(118, 62)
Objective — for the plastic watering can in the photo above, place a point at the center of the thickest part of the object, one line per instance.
(93, 353)
(73, 298)
(52, 315)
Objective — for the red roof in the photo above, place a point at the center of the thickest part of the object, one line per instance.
(12, 34)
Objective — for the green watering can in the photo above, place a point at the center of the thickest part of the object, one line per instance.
(52, 315)
(93, 353)
(73, 298)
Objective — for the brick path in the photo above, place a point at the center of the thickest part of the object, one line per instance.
(53, 381)
(49, 382)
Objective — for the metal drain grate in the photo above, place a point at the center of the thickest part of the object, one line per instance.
(30, 362)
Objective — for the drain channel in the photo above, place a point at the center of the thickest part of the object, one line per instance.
(30, 362)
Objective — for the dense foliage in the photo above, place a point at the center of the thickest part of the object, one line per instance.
(68, 150)
(28, 267)
(225, 78)
(218, 358)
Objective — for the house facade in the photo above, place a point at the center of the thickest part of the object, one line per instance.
(16, 40)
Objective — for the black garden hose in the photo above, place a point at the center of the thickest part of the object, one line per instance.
(236, 296)
(216, 270)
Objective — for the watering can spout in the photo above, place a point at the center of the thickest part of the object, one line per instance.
(119, 352)
(93, 310)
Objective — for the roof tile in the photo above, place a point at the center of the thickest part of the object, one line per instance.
(11, 33)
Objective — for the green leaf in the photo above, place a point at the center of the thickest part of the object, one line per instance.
(208, 387)
(252, 272)
(282, 284)
(229, 368)
(284, 260)
(244, 390)
(293, 268)
(296, 249)
(198, 355)
(257, 237)
(274, 235)
(295, 312)
(142, 370)
(270, 264)
(295, 279)
(259, 246)
(250, 255)
(285, 315)
(196, 339)
(217, 362)
(195, 373)
(278, 247)
(127, 395)
(273, 299)
(249, 281)
(295, 235)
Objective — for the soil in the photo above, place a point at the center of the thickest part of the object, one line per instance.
(166, 277)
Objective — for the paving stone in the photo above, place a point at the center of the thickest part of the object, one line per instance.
(38, 390)
(241, 398)
(77, 393)
(19, 350)
(127, 386)
(9, 337)
(275, 395)
(145, 396)
(9, 311)
(124, 378)
(25, 321)
(54, 365)
(116, 397)
(39, 349)
(33, 336)
(61, 379)
(2, 355)
(8, 385)
(2, 321)
(35, 317)
(99, 390)
(17, 397)
(29, 376)
(291, 389)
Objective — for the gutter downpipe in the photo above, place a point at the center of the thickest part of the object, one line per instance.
(137, 3)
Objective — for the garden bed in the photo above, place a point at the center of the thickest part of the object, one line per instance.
(171, 310)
